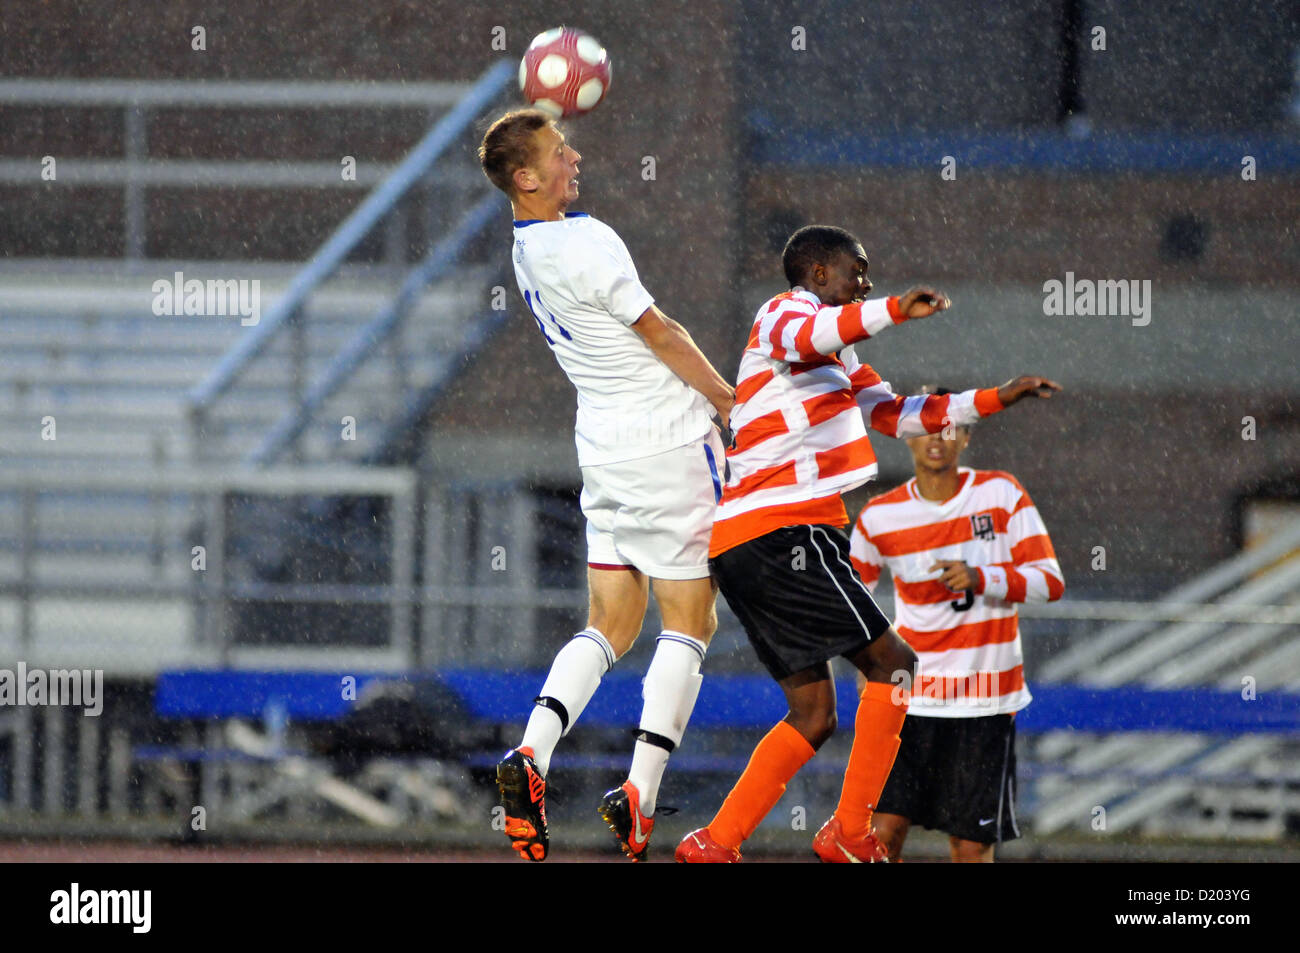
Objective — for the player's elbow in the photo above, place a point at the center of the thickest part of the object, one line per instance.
(1055, 586)
(651, 322)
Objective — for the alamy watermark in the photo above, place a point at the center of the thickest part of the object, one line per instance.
(1086, 297)
(216, 297)
(37, 687)
(77, 905)
(974, 690)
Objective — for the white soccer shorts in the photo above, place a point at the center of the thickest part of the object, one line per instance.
(655, 513)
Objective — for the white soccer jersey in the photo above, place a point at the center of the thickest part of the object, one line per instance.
(580, 284)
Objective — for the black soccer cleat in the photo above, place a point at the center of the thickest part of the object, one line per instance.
(523, 796)
(621, 809)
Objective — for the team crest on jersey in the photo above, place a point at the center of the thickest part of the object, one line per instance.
(981, 526)
(519, 250)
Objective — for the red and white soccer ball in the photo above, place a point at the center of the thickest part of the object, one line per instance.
(565, 72)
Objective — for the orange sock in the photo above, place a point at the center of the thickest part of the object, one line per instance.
(778, 757)
(875, 744)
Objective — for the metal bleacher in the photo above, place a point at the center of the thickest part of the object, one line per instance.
(1232, 629)
(126, 437)
(115, 378)
(113, 419)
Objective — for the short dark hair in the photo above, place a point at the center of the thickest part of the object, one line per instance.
(508, 146)
(814, 245)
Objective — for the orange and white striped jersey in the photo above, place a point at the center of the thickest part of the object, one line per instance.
(803, 403)
(969, 659)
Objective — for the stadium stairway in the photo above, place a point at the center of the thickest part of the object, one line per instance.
(1187, 783)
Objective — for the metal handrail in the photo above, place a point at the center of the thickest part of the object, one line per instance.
(148, 93)
(1083, 656)
(386, 451)
(440, 259)
(346, 237)
(200, 173)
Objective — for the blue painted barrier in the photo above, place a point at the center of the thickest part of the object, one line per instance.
(726, 701)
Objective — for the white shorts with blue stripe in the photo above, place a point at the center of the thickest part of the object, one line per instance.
(655, 513)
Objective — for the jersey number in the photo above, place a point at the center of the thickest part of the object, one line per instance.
(528, 299)
(965, 602)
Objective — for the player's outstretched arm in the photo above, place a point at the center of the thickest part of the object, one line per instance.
(897, 416)
(795, 331)
(673, 345)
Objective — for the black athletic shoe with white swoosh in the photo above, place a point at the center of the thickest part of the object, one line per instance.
(621, 809)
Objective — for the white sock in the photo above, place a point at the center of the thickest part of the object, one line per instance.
(672, 683)
(573, 679)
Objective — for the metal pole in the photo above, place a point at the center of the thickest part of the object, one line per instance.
(26, 554)
(22, 796)
(522, 566)
(403, 573)
(119, 770)
(217, 630)
(433, 616)
(88, 767)
(53, 745)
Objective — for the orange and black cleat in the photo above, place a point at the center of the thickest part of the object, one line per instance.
(699, 847)
(523, 796)
(833, 847)
(621, 809)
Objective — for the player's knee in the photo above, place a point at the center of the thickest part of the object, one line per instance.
(898, 659)
(906, 659)
(830, 721)
(821, 726)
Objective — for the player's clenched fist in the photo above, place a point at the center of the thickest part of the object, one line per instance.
(923, 302)
(1020, 387)
(957, 576)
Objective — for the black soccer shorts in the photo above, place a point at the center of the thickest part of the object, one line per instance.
(798, 597)
(956, 775)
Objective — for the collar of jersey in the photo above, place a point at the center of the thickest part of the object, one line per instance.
(801, 292)
(521, 223)
(968, 480)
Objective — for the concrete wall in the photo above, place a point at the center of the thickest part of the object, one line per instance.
(1033, 226)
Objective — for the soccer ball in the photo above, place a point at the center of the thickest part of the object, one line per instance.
(564, 72)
